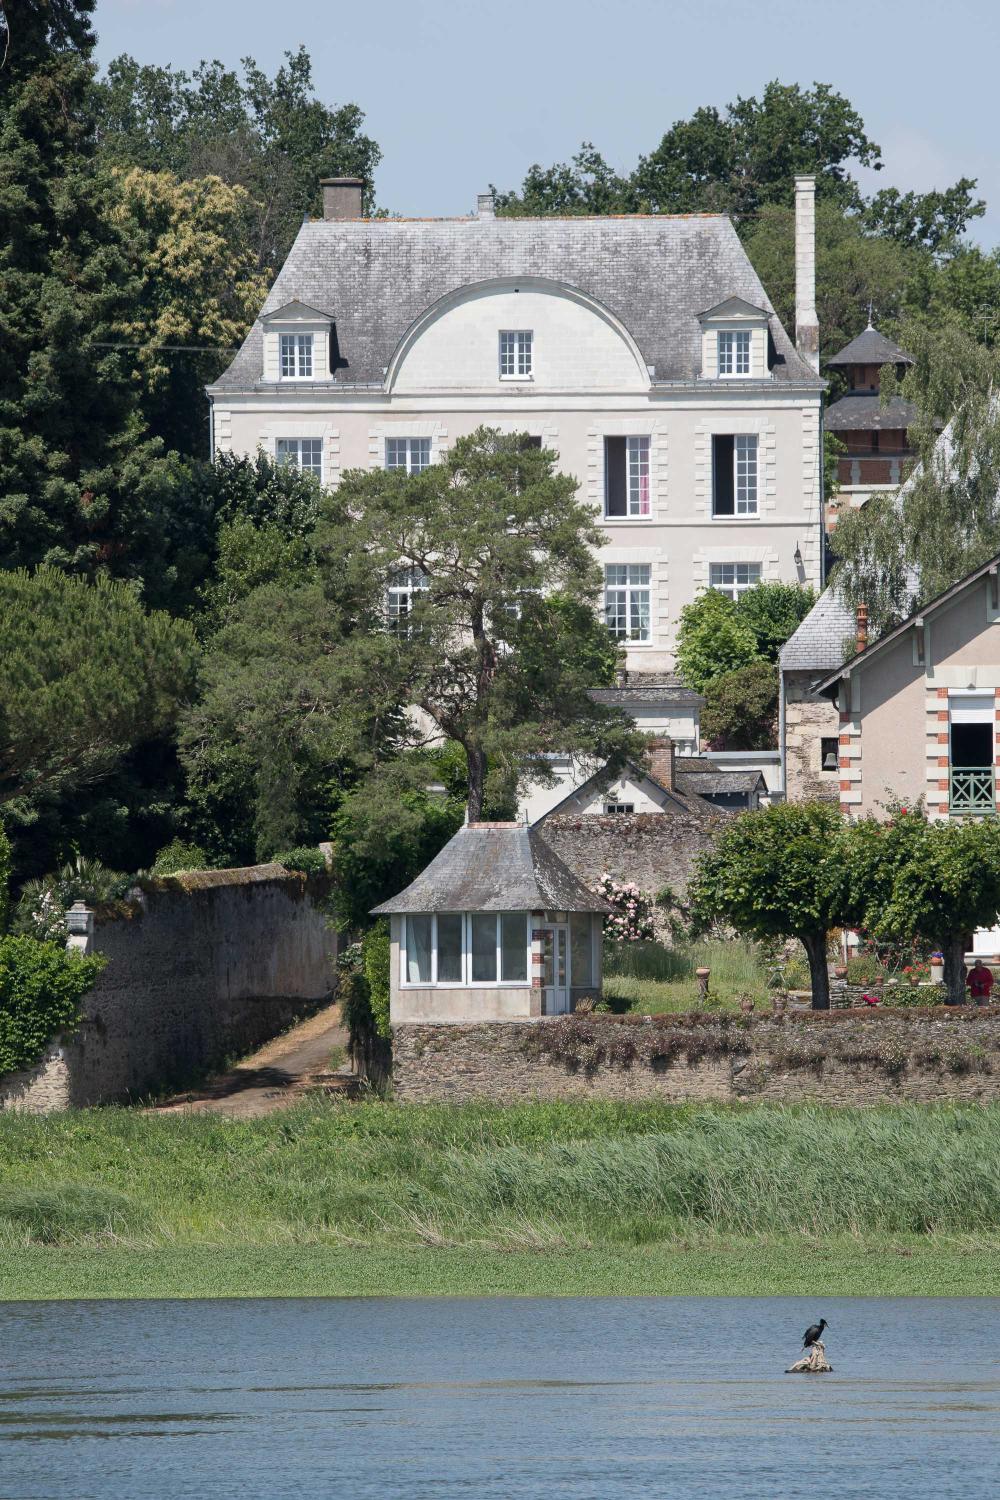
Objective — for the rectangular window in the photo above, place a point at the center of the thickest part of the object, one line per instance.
(626, 600)
(626, 476)
(733, 579)
(734, 353)
(514, 947)
(581, 949)
(296, 356)
(411, 454)
(734, 474)
(418, 949)
(449, 948)
(484, 948)
(302, 453)
(613, 808)
(405, 587)
(515, 354)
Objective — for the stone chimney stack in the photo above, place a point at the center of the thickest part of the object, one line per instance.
(861, 641)
(342, 197)
(806, 320)
(660, 753)
(485, 208)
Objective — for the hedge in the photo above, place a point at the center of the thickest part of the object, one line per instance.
(41, 986)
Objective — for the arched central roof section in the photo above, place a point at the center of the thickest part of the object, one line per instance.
(578, 342)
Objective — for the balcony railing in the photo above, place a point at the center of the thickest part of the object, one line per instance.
(973, 790)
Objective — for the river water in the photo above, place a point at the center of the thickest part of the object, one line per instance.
(489, 1399)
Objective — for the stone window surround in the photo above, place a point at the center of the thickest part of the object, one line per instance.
(305, 428)
(655, 428)
(770, 562)
(725, 424)
(658, 589)
(402, 428)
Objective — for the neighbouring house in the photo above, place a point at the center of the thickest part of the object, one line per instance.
(496, 928)
(919, 709)
(727, 786)
(876, 436)
(642, 349)
(808, 723)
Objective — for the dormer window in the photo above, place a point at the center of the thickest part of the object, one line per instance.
(515, 354)
(297, 356)
(734, 352)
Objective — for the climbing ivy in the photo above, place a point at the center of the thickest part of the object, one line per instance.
(41, 986)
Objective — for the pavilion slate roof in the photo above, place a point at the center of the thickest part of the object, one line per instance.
(654, 272)
(870, 348)
(495, 867)
(865, 413)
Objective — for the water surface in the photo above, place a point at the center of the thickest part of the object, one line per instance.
(489, 1399)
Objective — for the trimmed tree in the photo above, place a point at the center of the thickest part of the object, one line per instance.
(777, 873)
(712, 640)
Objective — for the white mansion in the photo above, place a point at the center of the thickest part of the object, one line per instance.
(642, 349)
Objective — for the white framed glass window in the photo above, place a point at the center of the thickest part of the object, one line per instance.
(452, 948)
(734, 352)
(404, 589)
(411, 454)
(626, 600)
(733, 579)
(734, 474)
(515, 354)
(626, 476)
(302, 453)
(296, 356)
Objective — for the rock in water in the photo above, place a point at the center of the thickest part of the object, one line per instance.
(813, 1362)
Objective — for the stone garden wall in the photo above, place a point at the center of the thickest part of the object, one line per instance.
(652, 849)
(205, 965)
(837, 1057)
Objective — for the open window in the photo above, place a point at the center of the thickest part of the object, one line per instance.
(626, 476)
(734, 474)
(971, 730)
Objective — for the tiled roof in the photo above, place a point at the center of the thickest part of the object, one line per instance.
(867, 414)
(667, 690)
(654, 273)
(818, 644)
(870, 348)
(697, 775)
(495, 867)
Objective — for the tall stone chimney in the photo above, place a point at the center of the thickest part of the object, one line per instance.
(485, 207)
(342, 197)
(806, 321)
(660, 754)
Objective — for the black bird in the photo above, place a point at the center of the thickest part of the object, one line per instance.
(814, 1334)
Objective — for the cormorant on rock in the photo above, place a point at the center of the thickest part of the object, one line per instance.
(814, 1334)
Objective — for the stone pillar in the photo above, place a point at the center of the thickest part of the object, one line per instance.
(80, 922)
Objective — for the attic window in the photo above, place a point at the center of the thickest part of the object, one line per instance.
(515, 354)
(734, 352)
(612, 809)
(296, 356)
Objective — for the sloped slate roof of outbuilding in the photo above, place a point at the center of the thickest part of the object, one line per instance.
(870, 348)
(655, 273)
(667, 690)
(818, 644)
(495, 867)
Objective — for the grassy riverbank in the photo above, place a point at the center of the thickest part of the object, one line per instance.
(545, 1199)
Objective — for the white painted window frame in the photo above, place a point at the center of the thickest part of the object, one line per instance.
(467, 981)
(746, 474)
(295, 443)
(734, 348)
(298, 344)
(733, 589)
(422, 444)
(406, 590)
(516, 354)
(632, 590)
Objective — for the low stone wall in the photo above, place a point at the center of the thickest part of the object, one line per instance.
(835, 1057)
(204, 966)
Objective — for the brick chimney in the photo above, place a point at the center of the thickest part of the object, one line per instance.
(660, 755)
(342, 197)
(861, 640)
(806, 320)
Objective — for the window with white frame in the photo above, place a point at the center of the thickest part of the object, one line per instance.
(411, 454)
(626, 476)
(296, 356)
(465, 948)
(626, 600)
(302, 453)
(405, 588)
(515, 354)
(734, 352)
(733, 578)
(734, 474)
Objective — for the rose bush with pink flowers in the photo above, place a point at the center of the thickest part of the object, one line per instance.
(630, 920)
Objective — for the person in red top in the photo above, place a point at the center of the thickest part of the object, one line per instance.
(980, 982)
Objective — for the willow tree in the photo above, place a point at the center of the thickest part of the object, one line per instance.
(900, 550)
(480, 572)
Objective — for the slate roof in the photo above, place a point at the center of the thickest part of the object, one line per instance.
(818, 644)
(653, 272)
(870, 348)
(867, 414)
(677, 799)
(495, 867)
(698, 776)
(669, 691)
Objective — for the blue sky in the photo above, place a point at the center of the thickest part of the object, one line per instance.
(461, 93)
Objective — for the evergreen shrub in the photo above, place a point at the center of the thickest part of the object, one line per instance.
(41, 986)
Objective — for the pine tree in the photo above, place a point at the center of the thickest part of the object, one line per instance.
(79, 478)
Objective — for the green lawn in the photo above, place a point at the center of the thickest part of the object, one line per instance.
(652, 979)
(363, 1199)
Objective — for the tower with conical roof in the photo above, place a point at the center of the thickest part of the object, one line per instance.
(876, 437)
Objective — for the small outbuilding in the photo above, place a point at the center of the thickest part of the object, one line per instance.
(496, 928)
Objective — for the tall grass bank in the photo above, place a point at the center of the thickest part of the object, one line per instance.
(838, 1057)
